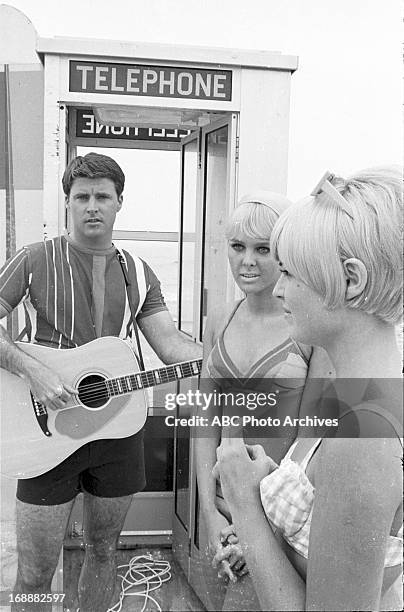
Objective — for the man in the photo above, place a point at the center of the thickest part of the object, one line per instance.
(76, 286)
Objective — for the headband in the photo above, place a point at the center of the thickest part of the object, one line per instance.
(277, 202)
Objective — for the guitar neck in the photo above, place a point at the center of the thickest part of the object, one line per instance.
(152, 378)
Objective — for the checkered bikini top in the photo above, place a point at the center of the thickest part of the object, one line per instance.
(287, 497)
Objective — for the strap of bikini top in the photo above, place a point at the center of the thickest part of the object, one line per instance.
(304, 354)
(290, 451)
(309, 455)
(228, 319)
(385, 414)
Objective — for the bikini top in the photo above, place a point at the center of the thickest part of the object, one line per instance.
(287, 362)
(287, 497)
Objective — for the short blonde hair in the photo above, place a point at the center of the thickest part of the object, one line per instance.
(315, 236)
(256, 215)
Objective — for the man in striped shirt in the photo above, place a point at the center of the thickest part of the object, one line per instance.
(74, 291)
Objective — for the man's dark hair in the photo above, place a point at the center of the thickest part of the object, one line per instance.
(92, 166)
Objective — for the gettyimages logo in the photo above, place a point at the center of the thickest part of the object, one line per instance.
(203, 401)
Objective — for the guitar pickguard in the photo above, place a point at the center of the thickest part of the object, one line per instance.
(78, 422)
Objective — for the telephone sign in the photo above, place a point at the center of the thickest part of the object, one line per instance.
(153, 81)
(88, 127)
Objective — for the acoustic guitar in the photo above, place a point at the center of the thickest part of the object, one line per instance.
(110, 403)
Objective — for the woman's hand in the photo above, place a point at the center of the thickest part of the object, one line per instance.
(241, 468)
(217, 524)
(231, 552)
(230, 556)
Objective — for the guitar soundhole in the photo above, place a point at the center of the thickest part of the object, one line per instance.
(93, 392)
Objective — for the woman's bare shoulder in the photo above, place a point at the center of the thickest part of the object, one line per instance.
(320, 363)
(218, 317)
(372, 464)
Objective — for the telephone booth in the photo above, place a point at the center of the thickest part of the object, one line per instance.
(208, 124)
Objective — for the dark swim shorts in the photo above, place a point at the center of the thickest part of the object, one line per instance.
(104, 468)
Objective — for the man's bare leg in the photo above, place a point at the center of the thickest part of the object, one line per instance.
(103, 521)
(40, 533)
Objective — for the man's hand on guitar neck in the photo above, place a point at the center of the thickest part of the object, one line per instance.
(46, 385)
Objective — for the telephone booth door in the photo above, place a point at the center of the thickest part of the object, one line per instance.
(208, 180)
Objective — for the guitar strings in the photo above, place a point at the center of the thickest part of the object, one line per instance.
(113, 384)
(148, 375)
(99, 390)
(150, 378)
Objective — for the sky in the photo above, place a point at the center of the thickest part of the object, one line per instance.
(346, 94)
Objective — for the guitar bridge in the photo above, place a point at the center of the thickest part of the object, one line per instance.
(41, 415)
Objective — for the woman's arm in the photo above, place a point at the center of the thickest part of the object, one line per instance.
(205, 445)
(358, 484)
(277, 584)
(358, 491)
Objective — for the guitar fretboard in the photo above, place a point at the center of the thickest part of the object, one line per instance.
(151, 378)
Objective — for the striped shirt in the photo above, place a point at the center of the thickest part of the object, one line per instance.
(73, 294)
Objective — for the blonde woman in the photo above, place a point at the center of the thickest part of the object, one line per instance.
(247, 347)
(323, 530)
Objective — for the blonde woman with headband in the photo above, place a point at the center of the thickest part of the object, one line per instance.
(323, 530)
(246, 345)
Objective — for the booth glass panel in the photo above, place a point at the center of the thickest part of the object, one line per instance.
(214, 243)
(150, 196)
(188, 234)
(162, 257)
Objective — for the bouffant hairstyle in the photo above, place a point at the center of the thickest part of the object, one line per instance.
(256, 215)
(314, 237)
